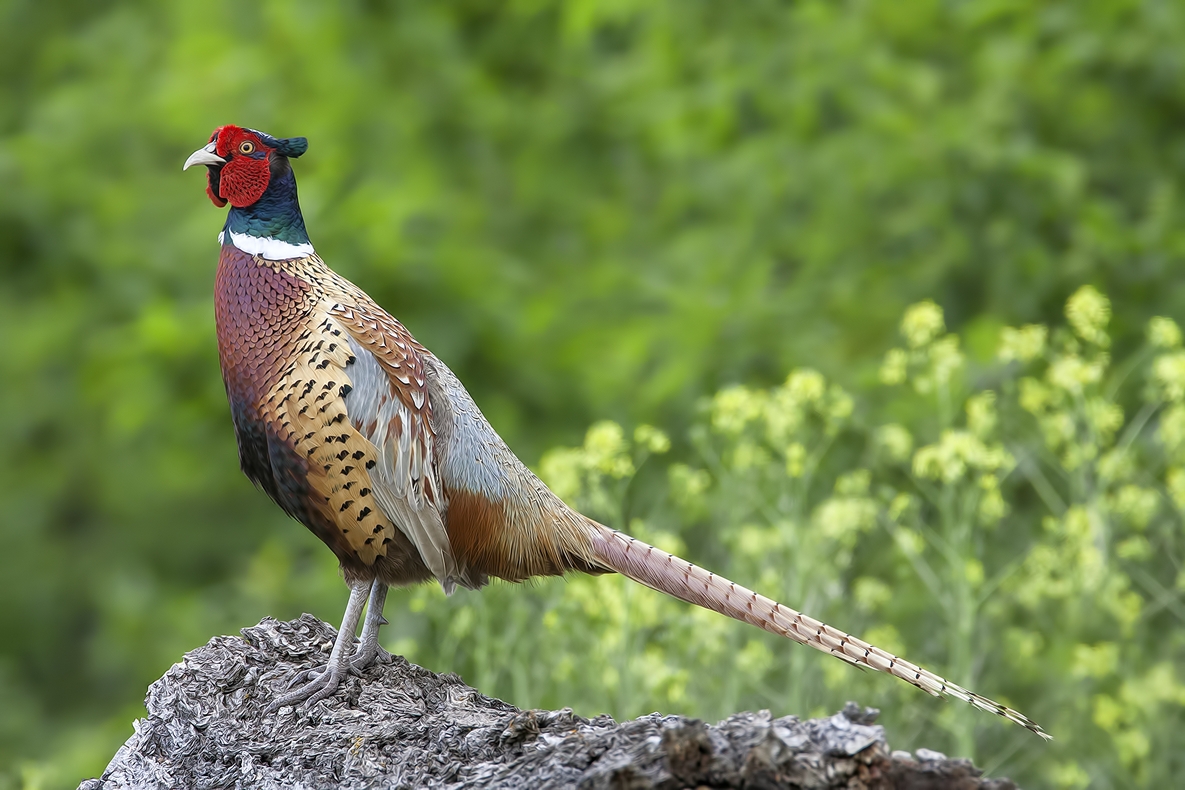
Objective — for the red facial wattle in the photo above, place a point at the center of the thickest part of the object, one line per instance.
(245, 176)
(244, 180)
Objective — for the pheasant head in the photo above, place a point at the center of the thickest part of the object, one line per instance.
(250, 170)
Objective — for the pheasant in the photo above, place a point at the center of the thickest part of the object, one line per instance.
(368, 439)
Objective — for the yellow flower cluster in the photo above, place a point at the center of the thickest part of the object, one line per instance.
(782, 418)
(605, 454)
(1078, 420)
(1168, 371)
(1024, 344)
(961, 454)
(923, 322)
(1164, 333)
(932, 358)
(958, 453)
(1089, 313)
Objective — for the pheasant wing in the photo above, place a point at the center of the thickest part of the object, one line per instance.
(388, 404)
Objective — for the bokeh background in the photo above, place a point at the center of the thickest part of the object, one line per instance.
(869, 305)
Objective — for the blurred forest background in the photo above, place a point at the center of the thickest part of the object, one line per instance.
(868, 305)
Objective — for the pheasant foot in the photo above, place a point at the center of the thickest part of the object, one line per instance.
(307, 675)
(317, 689)
(324, 681)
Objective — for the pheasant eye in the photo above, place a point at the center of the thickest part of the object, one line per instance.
(246, 147)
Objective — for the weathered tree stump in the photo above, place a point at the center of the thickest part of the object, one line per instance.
(402, 726)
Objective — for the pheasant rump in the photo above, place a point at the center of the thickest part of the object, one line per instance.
(364, 436)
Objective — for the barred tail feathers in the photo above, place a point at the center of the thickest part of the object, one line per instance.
(681, 579)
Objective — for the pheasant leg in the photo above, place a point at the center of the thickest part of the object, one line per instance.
(324, 683)
(369, 651)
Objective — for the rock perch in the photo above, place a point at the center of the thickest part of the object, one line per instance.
(401, 726)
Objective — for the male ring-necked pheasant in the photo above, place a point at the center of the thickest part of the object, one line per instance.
(361, 434)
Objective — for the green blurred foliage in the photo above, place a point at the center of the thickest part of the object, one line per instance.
(600, 210)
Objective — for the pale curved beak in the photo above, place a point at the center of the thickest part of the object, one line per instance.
(204, 156)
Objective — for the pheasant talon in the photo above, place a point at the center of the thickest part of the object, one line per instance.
(326, 690)
(317, 689)
(304, 675)
(364, 661)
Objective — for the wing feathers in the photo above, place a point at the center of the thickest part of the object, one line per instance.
(387, 404)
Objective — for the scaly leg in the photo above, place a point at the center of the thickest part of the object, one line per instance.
(369, 651)
(326, 682)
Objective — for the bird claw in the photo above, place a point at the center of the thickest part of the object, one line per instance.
(365, 659)
(351, 668)
(324, 681)
(302, 675)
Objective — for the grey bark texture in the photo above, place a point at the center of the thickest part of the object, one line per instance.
(401, 726)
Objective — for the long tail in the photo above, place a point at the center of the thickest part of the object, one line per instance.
(669, 574)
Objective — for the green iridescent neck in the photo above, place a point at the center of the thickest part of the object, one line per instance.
(271, 226)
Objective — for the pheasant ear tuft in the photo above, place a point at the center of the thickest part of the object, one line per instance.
(292, 146)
